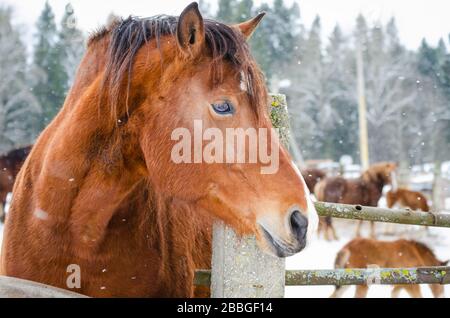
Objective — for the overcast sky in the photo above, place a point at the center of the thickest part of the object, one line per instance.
(415, 18)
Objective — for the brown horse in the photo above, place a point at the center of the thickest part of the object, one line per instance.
(100, 193)
(10, 165)
(362, 253)
(365, 190)
(312, 176)
(405, 198)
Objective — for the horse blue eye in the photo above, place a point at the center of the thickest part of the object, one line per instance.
(224, 108)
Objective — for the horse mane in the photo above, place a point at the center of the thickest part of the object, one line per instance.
(370, 176)
(223, 42)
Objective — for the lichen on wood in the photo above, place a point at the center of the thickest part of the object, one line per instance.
(377, 276)
(280, 116)
(403, 216)
(355, 276)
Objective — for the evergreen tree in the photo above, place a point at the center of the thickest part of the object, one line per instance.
(340, 137)
(428, 62)
(309, 105)
(70, 46)
(205, 8)
(274, 42)
(445, 84)
(19, 109)
(51, 88)
(275, 38)
(226, 11)
(432, 96)
(244, 10)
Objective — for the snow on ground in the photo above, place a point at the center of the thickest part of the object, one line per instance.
(321, 254)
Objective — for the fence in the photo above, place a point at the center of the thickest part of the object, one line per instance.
(244, 283)
(240, 269)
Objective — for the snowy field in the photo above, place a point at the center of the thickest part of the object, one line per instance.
(320, 254)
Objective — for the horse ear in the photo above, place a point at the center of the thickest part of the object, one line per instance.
(248, 27)
(191, 30)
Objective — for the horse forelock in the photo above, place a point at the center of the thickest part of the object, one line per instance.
(224, 45)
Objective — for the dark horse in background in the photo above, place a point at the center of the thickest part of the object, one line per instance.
(365, 190)
(10, 165)
(100, 191)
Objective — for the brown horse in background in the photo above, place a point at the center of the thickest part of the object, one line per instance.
(365, 190)
(312, 176)
(99, 191)
(10, 165)
(405, 198)
(362, 253)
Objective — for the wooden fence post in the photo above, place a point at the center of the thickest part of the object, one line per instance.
(239, 267)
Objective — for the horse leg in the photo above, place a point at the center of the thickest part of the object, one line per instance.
(339, 291)
(396, 291)
(327, 233)
(414, 291)
(361, 291)
(333, 231)
(372, 230)
(2, 212)
(358, 228)
(437, 290)
(389, 229)
(319, 228)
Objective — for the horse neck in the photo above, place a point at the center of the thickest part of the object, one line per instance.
(101, 155)
(177, 229)
(378, 184)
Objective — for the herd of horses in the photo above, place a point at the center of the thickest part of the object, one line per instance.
(365, 252)
(98, 188)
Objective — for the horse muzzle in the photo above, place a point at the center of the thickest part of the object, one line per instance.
(284, 248)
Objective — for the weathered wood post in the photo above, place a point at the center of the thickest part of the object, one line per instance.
(239, 267)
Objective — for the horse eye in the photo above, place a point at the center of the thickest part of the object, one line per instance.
(225, 108)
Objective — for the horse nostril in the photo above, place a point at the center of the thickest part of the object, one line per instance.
(299, 224)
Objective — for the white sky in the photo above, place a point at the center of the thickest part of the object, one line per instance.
(415, 18)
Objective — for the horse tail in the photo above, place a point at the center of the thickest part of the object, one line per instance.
(342, 258)
(391, 198)
(425, 206)
(341, 261)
